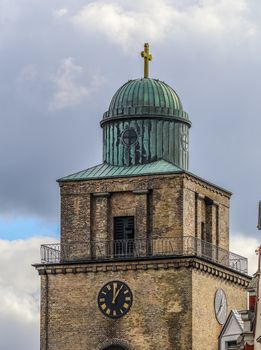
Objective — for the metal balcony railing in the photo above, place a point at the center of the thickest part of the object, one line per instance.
(141, 248)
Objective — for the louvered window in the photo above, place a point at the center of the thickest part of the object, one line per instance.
(123, 236)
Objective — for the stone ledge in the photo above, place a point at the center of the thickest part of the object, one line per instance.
(101, 194)
(174, 263)
(89, 186)
(140, 192)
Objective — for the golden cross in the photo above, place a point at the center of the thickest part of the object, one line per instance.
(147, 57)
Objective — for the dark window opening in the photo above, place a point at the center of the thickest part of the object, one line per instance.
(231, 345)
(203, 231)
(206, 246)
(123, 236)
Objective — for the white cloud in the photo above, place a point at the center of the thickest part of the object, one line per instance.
(246, 246)
(19, 288)
(19, 293)
(61, 12)
(69, 91)
(123, 26)
(154, 20)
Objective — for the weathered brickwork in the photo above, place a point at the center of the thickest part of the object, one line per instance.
(163, 206)
(211, 208)
(76, 217)
(75, 319)
(173, 305)
(205, 328)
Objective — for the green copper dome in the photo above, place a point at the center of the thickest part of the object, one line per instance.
(145, 123)
(145, 96)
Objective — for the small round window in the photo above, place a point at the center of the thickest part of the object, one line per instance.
(129, 137)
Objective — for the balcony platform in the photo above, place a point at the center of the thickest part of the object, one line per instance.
(133, 250)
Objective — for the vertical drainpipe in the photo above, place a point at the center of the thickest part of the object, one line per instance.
(46, 310)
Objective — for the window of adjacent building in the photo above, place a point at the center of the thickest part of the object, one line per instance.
(231, 345)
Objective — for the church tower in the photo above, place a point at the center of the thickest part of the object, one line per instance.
(143, 262)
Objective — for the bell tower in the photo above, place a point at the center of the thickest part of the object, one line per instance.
(143, 262)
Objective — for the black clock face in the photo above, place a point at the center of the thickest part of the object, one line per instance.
(129, 137)
(115, 299)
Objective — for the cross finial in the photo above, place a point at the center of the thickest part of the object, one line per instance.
(147, 57)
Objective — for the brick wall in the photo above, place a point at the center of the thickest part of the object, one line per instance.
(173, 305)
(163, 206)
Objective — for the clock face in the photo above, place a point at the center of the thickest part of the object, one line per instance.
(220, 306)
(115, 299)
(184, 141)
(129, 137)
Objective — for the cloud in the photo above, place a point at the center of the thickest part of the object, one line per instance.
(155, 21)
(61, 12)
(122, 26)
(19, 293)
(246, 246)
(68, 89)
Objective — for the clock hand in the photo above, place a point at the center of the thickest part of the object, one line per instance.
(220, 306)
(116, 295)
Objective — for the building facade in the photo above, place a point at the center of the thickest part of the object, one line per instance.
(143, 262)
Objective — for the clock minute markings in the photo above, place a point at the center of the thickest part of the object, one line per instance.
(115, 299)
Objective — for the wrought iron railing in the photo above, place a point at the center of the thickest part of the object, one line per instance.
(139, 248)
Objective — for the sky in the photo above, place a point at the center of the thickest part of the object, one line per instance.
(60, 64)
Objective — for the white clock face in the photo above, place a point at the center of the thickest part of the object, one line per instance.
(184, 141)
(220, 303)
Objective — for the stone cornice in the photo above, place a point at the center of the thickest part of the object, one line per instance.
(193, 263)
(209, 186)
(82, 187)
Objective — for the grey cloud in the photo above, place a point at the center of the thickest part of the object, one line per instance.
(215, 71)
